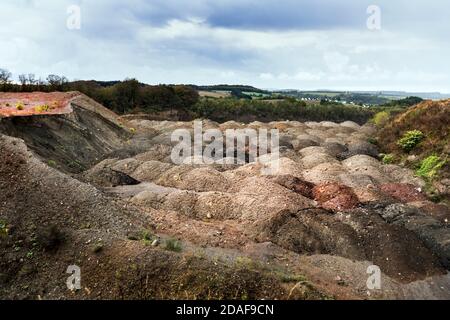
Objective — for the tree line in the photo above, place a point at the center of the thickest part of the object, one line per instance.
(29, 82)
(132, 96)
(222, 110)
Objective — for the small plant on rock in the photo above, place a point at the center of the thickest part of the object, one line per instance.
(244, 263)
(388, 159)
(430, 166)
(51, 163)
(373, 141)
(410, 140)
(20, 106)
(3, 229)
(42, 108)
(173, 245)
(381, 118)
(147, 235)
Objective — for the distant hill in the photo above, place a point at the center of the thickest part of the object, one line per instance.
(404, 94)
(227, 87)
(338, 96)
(95, 82)
(363, 97)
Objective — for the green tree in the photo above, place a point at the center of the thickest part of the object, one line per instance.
(188, 96)
(126, 95)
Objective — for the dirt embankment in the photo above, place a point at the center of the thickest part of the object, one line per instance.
(72, 136)
(430, 117)
(430, 156)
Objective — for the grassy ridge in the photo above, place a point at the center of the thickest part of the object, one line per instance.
(418, 137)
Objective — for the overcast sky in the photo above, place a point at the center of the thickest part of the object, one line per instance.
(299, 44)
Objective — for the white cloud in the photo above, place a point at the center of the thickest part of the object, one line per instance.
(235, 38)
(308, 76)
(266, 76)
(336, 61)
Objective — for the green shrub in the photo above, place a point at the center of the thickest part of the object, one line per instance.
(388, 158)
(430, 166)
(173, 245)
(410, 140)
(286, 278)
(42, 108)
(244, 263)
(51, 163)
(147, 237)
(20, 106)
(381, 118)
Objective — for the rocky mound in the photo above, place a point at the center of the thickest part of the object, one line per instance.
(330, 206)
(51, 221)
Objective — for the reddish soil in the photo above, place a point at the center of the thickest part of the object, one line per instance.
(403, 192)
(335, 196)
(295, 184)
(26, 104)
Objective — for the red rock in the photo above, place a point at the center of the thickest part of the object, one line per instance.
(341, 203)
(403, 192)
(295, 184)
(335, 196)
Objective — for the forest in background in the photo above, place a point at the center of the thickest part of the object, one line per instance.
(184, 101)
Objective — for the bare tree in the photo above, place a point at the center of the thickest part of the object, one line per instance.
(64, 82)
(23, 81)
(57, 83)
(53, 81)
(40, 84)
(5, 78)
(32, 79)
